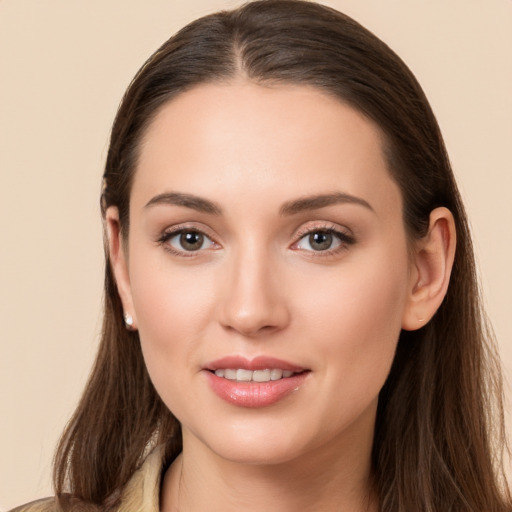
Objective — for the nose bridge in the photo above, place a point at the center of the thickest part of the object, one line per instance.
(253, 303)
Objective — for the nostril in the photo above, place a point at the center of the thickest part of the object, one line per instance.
(252, 330)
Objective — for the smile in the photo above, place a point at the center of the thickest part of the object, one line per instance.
(243, 375)
(258, 382)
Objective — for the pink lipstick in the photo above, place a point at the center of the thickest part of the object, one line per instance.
(259, 382)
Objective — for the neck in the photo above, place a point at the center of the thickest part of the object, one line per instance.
(312, 482)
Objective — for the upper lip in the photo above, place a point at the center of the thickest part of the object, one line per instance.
(257, 363)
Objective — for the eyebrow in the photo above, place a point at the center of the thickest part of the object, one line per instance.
(321, 201)
(289, 208)
(186, 200)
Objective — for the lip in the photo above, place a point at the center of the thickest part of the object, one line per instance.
(258, 363)
(254, 394)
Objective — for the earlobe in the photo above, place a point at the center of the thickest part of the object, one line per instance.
(119, 263)
(433, 262)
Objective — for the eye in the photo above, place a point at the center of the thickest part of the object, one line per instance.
(186, 240)
(323, 240)
(318, 241)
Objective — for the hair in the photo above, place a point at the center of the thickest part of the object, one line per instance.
(439, 433)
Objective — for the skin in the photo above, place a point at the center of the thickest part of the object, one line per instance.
(258, 286)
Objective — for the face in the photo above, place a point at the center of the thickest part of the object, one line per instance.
(266, 270)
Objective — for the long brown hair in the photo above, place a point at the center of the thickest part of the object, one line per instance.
(439, 428)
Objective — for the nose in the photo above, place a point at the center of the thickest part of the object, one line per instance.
(254, 301)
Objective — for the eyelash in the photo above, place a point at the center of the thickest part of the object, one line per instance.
(179, 230)
(345, 240)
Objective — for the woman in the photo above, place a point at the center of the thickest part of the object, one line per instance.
(292, 318)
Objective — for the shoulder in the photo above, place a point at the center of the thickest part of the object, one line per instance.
(140, 493)
(43, 505)
(52, 504)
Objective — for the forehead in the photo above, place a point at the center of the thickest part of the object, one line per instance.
(250, 139)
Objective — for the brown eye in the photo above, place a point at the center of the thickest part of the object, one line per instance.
(320, 240)
(324, 240)
(191, 240)
(187, 241)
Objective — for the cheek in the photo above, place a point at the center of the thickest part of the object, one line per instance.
(356, 316)
(354, 329)
(172, 307)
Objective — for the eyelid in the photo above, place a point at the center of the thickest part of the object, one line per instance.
(343, 234)
(172, 231)
(311, 227)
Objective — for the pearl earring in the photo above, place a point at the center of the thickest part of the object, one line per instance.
(128, 321)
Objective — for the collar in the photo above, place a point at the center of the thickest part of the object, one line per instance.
(142, 492)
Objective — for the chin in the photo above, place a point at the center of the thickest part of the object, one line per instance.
(258, 454)
(259, 443)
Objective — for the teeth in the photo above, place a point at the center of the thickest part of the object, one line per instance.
(230, 374)
(242, 375)
(261, 375)
(276, 374)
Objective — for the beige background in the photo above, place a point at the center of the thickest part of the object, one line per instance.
(64, 65)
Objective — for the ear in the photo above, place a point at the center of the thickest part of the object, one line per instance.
(432, 266)
(119, 262)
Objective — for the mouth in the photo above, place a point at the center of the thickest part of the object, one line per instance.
(258, 369)
(259, 382)
(266, 375)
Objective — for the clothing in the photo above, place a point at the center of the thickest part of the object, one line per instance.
(141, 493)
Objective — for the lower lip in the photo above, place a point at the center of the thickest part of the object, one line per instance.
(254, 394)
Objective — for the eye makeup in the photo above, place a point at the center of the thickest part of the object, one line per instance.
(319, 239)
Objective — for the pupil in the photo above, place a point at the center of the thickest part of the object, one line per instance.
(191, 241)
(320, 241)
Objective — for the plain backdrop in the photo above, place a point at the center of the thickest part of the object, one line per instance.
(64, 65)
